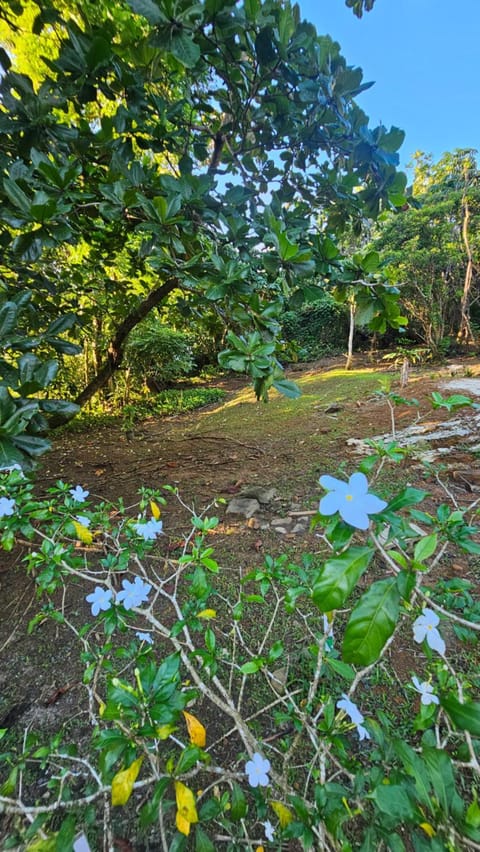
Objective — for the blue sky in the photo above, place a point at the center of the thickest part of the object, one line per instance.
(424, 58)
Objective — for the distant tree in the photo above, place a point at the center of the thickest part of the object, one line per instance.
(432, 249)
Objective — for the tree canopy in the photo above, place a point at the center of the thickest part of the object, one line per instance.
(211, 149)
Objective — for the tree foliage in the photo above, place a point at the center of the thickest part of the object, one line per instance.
(431, 246)
(210, 149)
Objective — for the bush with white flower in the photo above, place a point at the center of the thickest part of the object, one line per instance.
(215, 735)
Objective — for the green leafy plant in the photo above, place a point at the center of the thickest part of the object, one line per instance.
(25, 407)
(158, 355)
(164, 644)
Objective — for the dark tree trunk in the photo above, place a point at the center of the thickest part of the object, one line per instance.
(117, 345)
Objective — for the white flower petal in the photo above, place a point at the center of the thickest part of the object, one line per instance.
(431, 617)
(358, 484)
(330, 483)
(330, 503)
(435, 641)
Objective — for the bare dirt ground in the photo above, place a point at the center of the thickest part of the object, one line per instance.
(210, 454)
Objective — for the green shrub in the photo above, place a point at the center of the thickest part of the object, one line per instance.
(158, 355)
(317, 329)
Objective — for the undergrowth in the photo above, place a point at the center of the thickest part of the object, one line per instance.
(163, 404)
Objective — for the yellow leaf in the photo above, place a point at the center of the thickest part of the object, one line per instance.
(207, 613)
(164, 731)
(83, 534)
(428, 829)
(155, 510)
(185, 804)
(283, 813)
(196, 731)
(182, 824)
(260, 849)
(101, 708)
(47, 844)
(122, 782)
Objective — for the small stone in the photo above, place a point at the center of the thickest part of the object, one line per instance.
(281, 530)
(334, 408)
(299, 528)
(257, 492)
(280, 522)
(279, 680)
(243, 506)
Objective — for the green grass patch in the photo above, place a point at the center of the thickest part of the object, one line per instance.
(173, 401)
(163, 404)
(282, 415)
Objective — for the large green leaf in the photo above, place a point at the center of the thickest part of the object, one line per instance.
(59, 406)
(288, 388)
(371, 623)
(149, 10)
(407, 497)
(202, 841)
(415, 767)
(8, 319)
(239, 803)
(440, 770)
(287, 250)
(7, 405)
(392, 799)
(393, 140)
(32, 445)
(339, 576)
(63, 323)
(465, 716)
(9, 453)
(370, 262)
(425, 547)
(18, 421)
(185, 50)
(16, 195)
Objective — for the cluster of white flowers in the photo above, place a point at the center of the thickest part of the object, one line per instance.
(132, 595)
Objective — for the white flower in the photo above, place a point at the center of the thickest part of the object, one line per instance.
(80, 844)
(100, 599)
(133, 594)
(149, 529)
(83, 520)
(7, 507)
(351, 709)
(425, 627)
(79, 494)
(269, 830)
(257, 770)
(426, 692)
(9, 467)
(144, 637)
(351, 499)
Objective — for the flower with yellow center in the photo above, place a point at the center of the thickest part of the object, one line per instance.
(351, 499)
